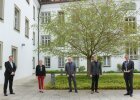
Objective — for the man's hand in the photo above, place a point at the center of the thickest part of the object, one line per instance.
(72, 74)
(90, 75)
(67, 75)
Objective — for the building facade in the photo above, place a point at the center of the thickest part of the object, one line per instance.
(19, 37)
(16, 35)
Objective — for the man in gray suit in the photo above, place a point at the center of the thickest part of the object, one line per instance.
(127, 68)
(70, 69)
(95, 71)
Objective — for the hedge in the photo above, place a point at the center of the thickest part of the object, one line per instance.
(106, 81)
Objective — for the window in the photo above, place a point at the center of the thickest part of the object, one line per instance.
(45, 17)
(1, 51)
(17, 19)
(130, 6)
(33, 38)
(34, 12)
(61, 17)
(14, 54)
(33, 62)
(46, 39)
(76, 61)
(107, 61)
(47, 62)
(28, 1)
(26, 27)
(61, 62)
(130, 25)
(1, 9)
(132, 51)
(75, 17)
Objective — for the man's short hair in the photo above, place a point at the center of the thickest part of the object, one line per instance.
(10, 56)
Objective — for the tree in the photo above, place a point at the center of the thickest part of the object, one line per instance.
(87, 28)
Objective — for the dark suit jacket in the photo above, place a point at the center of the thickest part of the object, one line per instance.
(40, 72)
(9, 69)
(130, 67)
(96, 70)
(70, 69)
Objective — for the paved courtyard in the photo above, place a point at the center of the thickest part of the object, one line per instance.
(26, 89)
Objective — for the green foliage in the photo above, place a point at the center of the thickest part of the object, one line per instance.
(136, 71)
(107, 81)
(119, 67)
(54, 71)
(81, 69)
(88, 28)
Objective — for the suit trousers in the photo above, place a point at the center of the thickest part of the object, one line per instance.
(8, 78)
(129, 83)
(94, 85)
(72, 78)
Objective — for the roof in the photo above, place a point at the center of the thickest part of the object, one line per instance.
(55, 1)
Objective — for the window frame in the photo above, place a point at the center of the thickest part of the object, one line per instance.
(76, 61)
(27, 27)
(106, 61)
(19, 17)
(45, 17)
(28, 1)
(2, 13)
(16, 48)
(1, 54)
(34, 12)
(61, 62)
(34, 38)
(48, 63)
(45, 41)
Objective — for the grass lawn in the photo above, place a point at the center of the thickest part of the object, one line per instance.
(106, 81)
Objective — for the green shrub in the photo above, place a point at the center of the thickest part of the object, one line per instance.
(136, 71)
(119, 67)
(110, 71)
(81, 68)
(106, 81)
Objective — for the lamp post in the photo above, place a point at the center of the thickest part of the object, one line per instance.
(38, 28)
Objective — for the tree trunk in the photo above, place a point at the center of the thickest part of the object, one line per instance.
(88, 65)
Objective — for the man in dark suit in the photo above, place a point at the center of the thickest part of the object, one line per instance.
(95, 71)
(9, 74)
(70, 69)
(127, 68)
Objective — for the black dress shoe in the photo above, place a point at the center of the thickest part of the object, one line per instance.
(131, 95)
(12, 93)
(70, 90)
(92, 92)
(76, 91)
(126, 94)
(97, 91)
(5, 95)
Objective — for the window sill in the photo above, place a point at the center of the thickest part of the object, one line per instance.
(17, 30)
(1, 20)
(27, 36)
(106, 66)
(60, 67)
(48, 67)
(134, 59)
